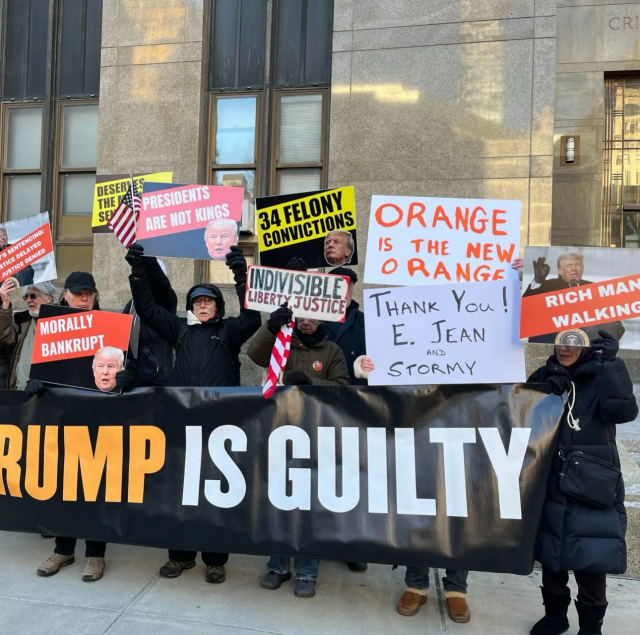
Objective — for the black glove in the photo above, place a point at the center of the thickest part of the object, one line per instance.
(606, 346)
(540, 270)
(34, 387)
(296, 264)
(281, 316)
(125, 379)
(135, 259)
(296, 378)
(238, 264)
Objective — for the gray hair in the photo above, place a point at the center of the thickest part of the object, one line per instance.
(222, 223)
(350, 243)
(110, 352)
(573, 255)
(45, 288)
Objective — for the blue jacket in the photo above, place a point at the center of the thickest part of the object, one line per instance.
(349, 336)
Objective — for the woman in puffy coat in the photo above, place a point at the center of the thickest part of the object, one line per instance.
(574, 534)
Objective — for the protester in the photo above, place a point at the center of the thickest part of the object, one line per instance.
(79, 292)
(207, 354)
(19, 330)
(107, 362)
(150, 357)
(455, 591)
(584, 531)
(313, 360)
(338, 247)
(219, 236)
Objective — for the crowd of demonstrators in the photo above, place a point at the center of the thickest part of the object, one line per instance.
(207, 346)
(577, 532)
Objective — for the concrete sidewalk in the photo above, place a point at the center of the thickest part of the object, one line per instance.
(132, 599)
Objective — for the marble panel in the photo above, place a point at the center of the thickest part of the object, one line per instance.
(150, 54)
(543, 94)
(545, 7)
(582, 3)
(579, 35)
(621, 33)
(109, 57)
(438, 34)
(110, 27)
(343, 15)
(579, 96)
(577, 204)
(107, 116)
(545, 26)
(193, 51)
(342, 41)
(541, 166)
(369, 14)
(540, 209)
(151, 22)
(194, 26)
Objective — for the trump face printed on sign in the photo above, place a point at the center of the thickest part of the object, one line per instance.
(338, 247)
(219, 236)
(106, 363)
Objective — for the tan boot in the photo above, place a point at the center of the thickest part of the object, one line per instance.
(93, 570)
(458, 608)
(52, 565)
(411, 601)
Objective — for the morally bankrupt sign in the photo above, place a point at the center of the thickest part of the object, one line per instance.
(318, 296)
(25, 252)
(416, 241)
(109, 191)
(80, 348)
(446, 334)
(370, 474)
(189, 221)
(319, 227)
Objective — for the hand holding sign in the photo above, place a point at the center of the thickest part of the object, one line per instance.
(6, 288)
(238, 265)
(279, 318)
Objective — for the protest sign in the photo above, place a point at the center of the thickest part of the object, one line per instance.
(109, 191)
(415, 241)
(318, 296)
(189, 221)
(319, 227)
(567, 288)
(445, 334)
(445, 477)
(26, 251)
(84, 349)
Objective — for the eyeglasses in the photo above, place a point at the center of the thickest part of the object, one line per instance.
(32, 296)
(203, 300)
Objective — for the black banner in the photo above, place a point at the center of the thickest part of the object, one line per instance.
(450, 476)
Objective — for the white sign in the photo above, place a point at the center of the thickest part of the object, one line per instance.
(418, 241)
(445, 334)
(319, 296)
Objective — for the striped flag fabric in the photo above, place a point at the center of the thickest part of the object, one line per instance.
(279, 357)
(124, 222)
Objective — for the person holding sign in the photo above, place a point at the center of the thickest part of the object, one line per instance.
(207, 348)
(19, 329)
(584, 519)
(313, 361)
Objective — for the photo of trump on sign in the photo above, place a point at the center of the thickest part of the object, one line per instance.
(106, 363)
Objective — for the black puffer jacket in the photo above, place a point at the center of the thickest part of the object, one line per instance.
(350, 337)
(574, 535)
(206, 354)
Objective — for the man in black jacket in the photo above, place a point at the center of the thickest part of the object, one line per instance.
(207, 354)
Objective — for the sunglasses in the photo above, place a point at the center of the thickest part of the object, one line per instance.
(32, 296)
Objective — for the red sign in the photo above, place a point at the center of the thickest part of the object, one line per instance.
(186, 207)
(586, 305)
(79, 334)
(25, 251)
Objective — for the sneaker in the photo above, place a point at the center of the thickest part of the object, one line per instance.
(358, 566)
(458, 609)
(52, 565)
(93, 570)
(272, 580)
(215, 575)
(173, 568)
(409, 604)
(305, 588)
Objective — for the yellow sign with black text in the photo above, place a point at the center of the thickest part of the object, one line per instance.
(109, 191)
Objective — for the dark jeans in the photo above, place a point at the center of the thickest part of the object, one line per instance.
(210, 559)
(94, 549)
(418, 578)
(592, 587)
(305, 568)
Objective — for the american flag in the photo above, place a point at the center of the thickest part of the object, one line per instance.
(279, 357)
(124, 222)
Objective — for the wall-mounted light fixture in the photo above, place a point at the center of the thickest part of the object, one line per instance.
(570, 150)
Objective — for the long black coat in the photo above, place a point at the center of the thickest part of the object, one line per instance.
(350, 337)
(206, 354)
(574, 535)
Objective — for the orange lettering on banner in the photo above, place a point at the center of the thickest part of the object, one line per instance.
(416, 214)
(417, 264)
(441, 215)
(49, 463)
(11, 438)
(390, 266)
(441, 270)
(139, 463)
(384, 223)
(79, 457)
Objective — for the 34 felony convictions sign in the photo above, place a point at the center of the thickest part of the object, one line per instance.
(319, 296)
